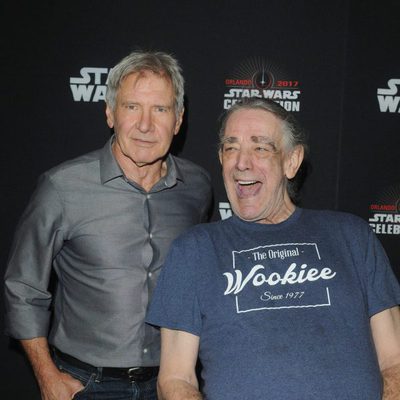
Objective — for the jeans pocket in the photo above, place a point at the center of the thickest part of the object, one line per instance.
(85, 377)
(87, 385)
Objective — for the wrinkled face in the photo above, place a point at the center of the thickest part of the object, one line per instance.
(144, 118)
(255, 166)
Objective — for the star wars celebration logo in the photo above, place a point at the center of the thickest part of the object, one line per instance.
(385, 219)
(387, 99)
(90, 86)
(258, 78)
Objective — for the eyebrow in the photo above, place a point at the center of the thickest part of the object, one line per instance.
(126, 102)
(262, 139)
(254, 139)
(229, 139)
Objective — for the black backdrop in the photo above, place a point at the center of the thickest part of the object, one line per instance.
(331, 62)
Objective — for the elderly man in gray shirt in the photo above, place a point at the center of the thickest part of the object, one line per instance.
(103, 222)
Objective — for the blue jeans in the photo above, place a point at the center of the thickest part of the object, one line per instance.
(99, 387)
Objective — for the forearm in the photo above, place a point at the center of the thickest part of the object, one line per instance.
(53, 384)
(38, 353)
(178, 389)
(391, 382)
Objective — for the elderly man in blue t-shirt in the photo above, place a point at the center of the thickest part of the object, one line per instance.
(279, 302)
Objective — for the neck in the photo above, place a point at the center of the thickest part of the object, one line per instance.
(145, 175)
(280, 213)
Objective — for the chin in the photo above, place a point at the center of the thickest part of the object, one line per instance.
(246, 215)
(249, 218)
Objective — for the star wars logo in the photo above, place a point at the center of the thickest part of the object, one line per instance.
(90, 86)
(387, 99)
(256, 78)
(385, 218)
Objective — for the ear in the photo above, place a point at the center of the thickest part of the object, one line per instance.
(178, 122)
(293, 161)
(110, 117)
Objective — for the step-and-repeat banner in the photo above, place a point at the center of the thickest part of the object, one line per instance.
(335, 64)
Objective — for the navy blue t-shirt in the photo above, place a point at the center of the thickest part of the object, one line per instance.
(282, 311)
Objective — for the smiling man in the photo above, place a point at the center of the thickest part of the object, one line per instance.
(279, 302)
(103, 222)
(256, 166)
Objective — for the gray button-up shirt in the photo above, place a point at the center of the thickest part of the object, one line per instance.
(106, 238)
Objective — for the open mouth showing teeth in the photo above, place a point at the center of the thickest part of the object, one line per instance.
(246, 183)
(247, 189)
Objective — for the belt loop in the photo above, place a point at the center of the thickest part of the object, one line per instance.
(99, 375)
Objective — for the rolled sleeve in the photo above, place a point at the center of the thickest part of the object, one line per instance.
(38, 238)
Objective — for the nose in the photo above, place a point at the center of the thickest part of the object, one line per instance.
(243, 161)
(144, 122)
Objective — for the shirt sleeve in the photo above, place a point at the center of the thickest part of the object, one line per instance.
(37, 240)
(175, 302)
(383, 286)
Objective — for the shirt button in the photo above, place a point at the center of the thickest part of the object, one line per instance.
(150, 274)
(151, 236)
(145, 351)
(148, 196)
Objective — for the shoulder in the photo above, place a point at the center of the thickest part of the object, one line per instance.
(201, 233)
(77, 163)
(195, 246)
(77, 168)
(339, 217)
(336, 220)
(190, 169)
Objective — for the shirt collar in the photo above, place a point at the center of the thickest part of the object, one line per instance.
(173, 172)
(109, 168)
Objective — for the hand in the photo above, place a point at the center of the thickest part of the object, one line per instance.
(59, 386)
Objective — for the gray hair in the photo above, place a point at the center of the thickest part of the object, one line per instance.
(293, 134)
(158, 62)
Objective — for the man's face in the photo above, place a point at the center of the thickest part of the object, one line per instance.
(254, 166)
(144, 119)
